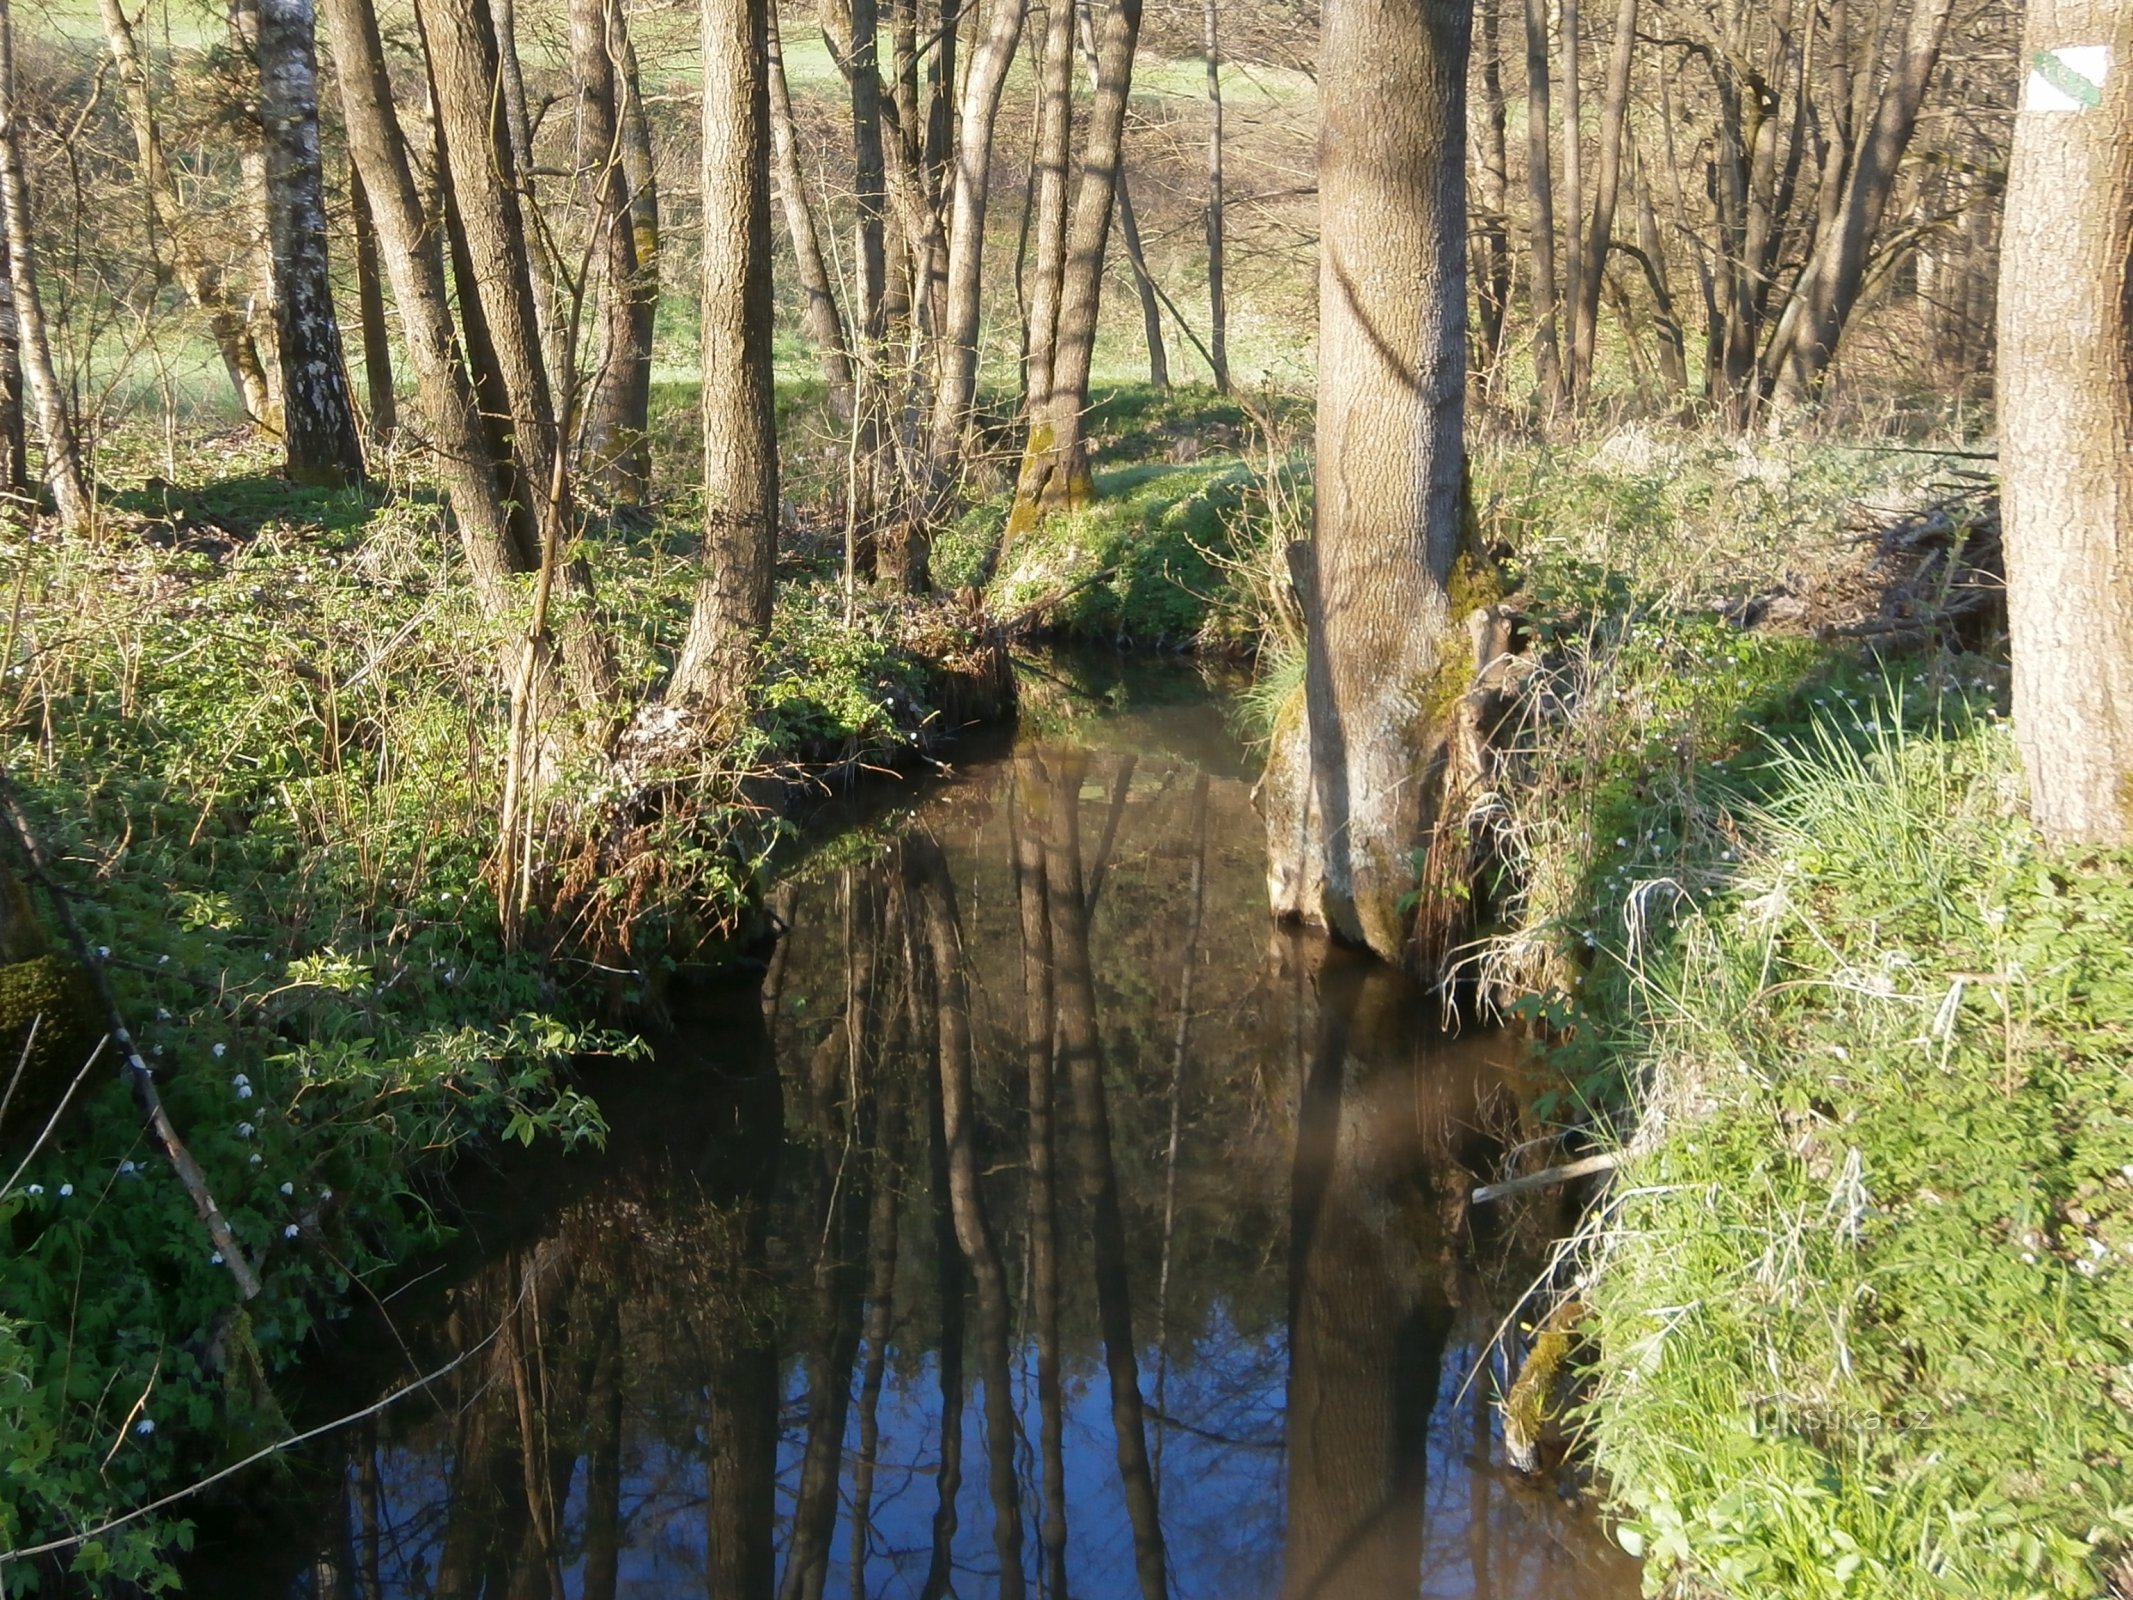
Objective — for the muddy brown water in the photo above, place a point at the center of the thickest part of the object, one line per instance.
(837, 1314)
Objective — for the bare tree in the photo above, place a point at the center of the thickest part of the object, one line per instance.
(824, 321)
(1540, 224)
(2066, 417)
(617, 411)
(1217, 298)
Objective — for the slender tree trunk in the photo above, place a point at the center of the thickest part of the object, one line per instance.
(1832, 291)
(1129, 233)
(1673, 350)
(62, 451)
(14, 436)
(1055, 461)
(1607, 183)
(1495, 210)
(320, 440)
(733, 597)
(259, 318)
(1217, 299)
(639, 169)
(1343, 803)
(515, 115)
(197, 276)
(1540, 223)
(1053, 150)
(2066, 418)
(1081, 1051)
(825, 323)
(957, 391)
(370, 306)
(617, 411)
(1573, 206)
(880, 1295)
(953, 1281)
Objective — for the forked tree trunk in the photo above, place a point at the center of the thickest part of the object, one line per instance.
(1343, 793)
(1055, 460)
(733, 595)
(62, 451)
(1217, 300)
(320, 441)
(2066, 417)
(618, 456)
(1540, 220)
(957, 390)
(195, 274)
(824, 322)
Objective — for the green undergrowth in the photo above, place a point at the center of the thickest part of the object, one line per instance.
(1863, 1291)
(260, 732)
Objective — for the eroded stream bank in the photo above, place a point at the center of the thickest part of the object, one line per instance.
(1047, 1224)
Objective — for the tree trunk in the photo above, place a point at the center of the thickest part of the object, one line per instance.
(1573, 207)
(957, 391)
(320, 441)
(1673, 351)
(1055, 460)
(259, 316)
(1607, 182)
(1494, 217)
(198, 277)
(370, 304)
(1217, 301)
(1343, 796)
(1832, 289)
(733, 597)
(2066, 417)
(825, 323)
(62, 452)
(617, 411)
(1540, 223)
(1053, 150)
(14, 436)
(1129, 233)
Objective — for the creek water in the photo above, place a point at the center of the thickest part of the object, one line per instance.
(1047, 1223)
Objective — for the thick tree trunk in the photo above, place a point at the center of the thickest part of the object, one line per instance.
(1055, 460)
(195, 274)
(740, 550)
(320, 440)
(1833, 285)
(1217, 297)
(2066, 417)
(957, 390)
(62, 451)
(1607, 183)
(1344, 795)
(824, 322)
(1540, 220)
(370, 305)
(618, 457)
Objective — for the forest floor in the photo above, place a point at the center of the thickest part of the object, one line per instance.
(1862, 1289)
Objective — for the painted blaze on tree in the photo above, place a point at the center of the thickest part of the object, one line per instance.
(1345, 790)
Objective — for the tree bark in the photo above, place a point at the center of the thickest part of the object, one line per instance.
(1053, 150)
(259, 318)
(824, 322)
(1055, 460)
(1343, 797)
(2066, 418)
(617, 411)
(370, 305)
(1217, 297)
(733, 596)
(62, 451)
(1540, 223)
(1607, 183)
(957, 389)
(14, 436)
(1573, 206)
(1494, 212)
(320, 440)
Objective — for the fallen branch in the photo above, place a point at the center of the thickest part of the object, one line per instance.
(1546, 1176)
(137, 1071)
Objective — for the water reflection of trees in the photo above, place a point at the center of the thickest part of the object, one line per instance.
(1041, 1166)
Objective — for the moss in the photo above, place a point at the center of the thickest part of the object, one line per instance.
(1533, 1402)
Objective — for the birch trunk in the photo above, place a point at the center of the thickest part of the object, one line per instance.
(2066, 418)
(320, 441)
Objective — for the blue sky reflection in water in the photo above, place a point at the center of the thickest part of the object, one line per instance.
(672, 1324)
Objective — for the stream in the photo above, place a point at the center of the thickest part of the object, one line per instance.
(1047, 1222)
